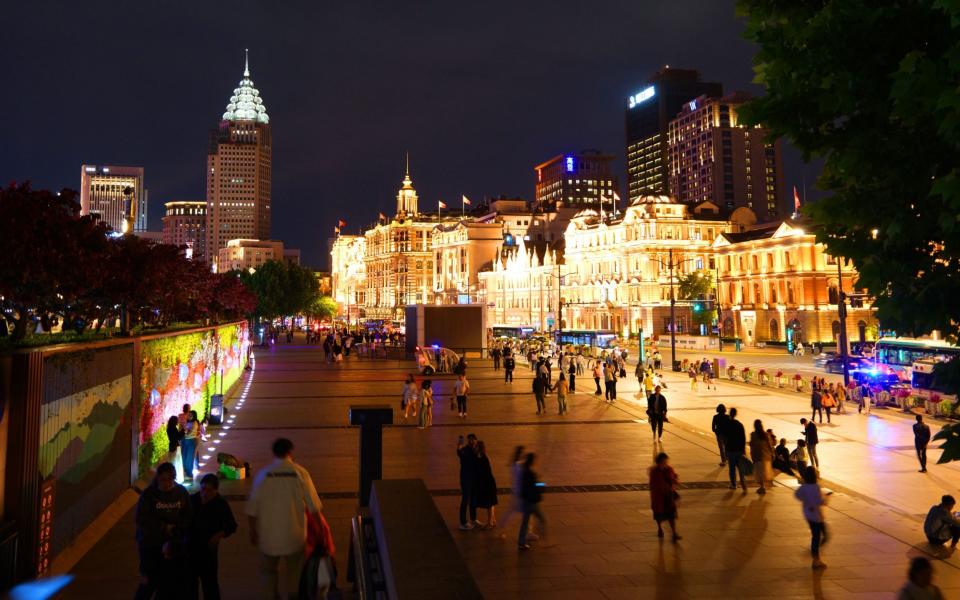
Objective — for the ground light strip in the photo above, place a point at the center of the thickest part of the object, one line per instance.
(225, 428)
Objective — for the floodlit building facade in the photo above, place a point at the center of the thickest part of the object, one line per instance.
(239, 171)
(576, 180)
(185, 224)
(348, 275)
(102, 193)
(243, 254)
(778, 284)
(461, 250)
(522, 289)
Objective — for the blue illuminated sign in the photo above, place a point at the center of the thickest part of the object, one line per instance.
(642, 96)
(693, 105)
(569, 164)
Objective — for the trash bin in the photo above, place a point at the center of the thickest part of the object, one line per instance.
(676, 366)
(216, 410)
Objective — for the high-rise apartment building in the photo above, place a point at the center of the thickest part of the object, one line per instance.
(185, 224)
(714, 157)
(583, 180)
(102, 193)
(239, 170)
(648, 115)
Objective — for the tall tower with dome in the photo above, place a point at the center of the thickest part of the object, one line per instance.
(239, 170)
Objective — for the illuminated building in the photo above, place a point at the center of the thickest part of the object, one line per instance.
(348, 274)
(714, 157)
(777, 284)
(102, 194)
(324, 282)
(648, 114)
(399, 259)
(239, 171)
(617, 276)
(521, 289)
(243, 254)
(185, 224)
(582, 180)
(462, 249)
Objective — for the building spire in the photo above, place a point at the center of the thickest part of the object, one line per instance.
(246, 62)
(408, 165)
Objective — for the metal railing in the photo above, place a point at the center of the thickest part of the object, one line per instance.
(366, 566)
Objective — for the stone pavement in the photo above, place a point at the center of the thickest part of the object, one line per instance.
(601, 540)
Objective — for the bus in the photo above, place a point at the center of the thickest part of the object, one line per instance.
(517, 333)
(900, 354)
(587, 337)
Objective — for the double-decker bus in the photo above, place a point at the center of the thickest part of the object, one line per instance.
(899, 354)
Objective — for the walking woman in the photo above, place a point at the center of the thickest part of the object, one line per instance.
(192, 432)
(561, 388)
(174, 437)
(486, 487)
(761, 453)
(530, 494)
(426, 404)
(411, 392)
(597, 375)
(572, 372)
(813, 500)
(663, 494)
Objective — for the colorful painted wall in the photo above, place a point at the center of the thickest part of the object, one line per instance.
(184, 369)
(85, 436)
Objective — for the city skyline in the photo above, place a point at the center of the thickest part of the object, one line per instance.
(329, 102)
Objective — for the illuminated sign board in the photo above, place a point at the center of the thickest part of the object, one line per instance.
(642, 96)
(569, 162)
(693, 105)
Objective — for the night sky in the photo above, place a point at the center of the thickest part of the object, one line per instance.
(478, 94)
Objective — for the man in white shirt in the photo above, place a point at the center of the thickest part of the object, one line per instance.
(282, 494)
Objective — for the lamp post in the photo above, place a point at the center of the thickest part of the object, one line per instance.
(842, 317)
(673, 302)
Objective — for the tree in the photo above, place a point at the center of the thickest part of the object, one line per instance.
(281, 289)
(698, 288)
(870, 88)
(324, 307)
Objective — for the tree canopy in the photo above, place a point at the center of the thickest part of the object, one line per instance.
(698, 286)
(282, 289)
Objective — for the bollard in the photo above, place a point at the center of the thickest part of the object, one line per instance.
(371, 420)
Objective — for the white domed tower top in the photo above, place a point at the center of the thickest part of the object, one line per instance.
(407, 196)
(245, 103)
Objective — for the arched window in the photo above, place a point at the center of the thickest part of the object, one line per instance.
(774, 330)
(862, 330)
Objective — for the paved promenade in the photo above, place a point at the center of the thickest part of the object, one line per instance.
(601, 540)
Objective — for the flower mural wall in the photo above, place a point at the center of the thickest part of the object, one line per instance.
(185, 369)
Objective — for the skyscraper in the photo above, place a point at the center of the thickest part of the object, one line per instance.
(185, 225)
(648, 115)
(238, 171)
(715, 157)
(576, 181)
(102, 193)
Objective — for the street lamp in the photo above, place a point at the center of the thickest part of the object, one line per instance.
(673, 302)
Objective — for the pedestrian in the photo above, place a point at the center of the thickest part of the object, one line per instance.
(531, 493)
(816, 403)
(781, 458)
(561, 388)
(657, 360)
(610, 383)
(597, 375)
(539, 392)
(708, 381)
(941, 526)
(212, 521)
(486, 487)
(761, 453)
(827, 401)
(163, 517)
(461, 367)
(467, 454)
(496, 354)
(580, 362)
(921, 437)
(572, 374)
(193, 430)
(657, 413)
(812, 497)
(798, 459)
(516, 504)
(281, 497)
(640, 373)
(426, 404)
(411, 393)
(174, 439)
(663, 495)
(840, 395)
(184, 416)
(461, 387)
(509, 364)
(812, 438)
(919, 584)
(735, 439)
(718, 426)
(692, 375)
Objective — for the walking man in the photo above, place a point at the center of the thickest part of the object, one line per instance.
(212, 521)
(735, 443)
(509, 364)
(282, 495)
(921, 437)
(810, 434)
(496, 358)
(540, 391)
(718, 426)
(467, 453)
(657, 412)
(816, 403)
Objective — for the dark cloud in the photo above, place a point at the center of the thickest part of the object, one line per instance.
(477, 92)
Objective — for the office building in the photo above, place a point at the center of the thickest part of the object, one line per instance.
(239, 171)
(714, 157)
(648, 114)
(243, 254)
(582, 180)
(348, 275)
(103, 193)
(185, 224)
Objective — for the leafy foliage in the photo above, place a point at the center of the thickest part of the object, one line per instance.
(697, 286)
(324, 307)
(282, 289)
